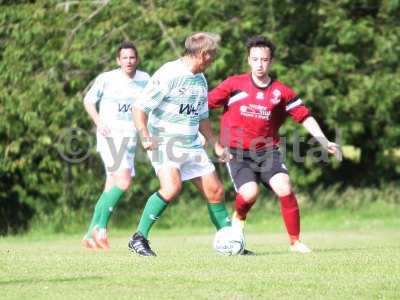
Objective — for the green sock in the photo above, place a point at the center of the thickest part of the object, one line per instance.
(110, 202)
(155, 206)
(219, 215)
(96, 215)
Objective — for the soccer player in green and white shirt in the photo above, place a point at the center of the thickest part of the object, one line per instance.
(116, 91)
(169, 116)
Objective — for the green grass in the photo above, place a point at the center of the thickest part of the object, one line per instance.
(356, 256)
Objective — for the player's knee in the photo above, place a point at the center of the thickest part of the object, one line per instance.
(124, 183)
(249, 192)
(283, 190)
(280, 183)
(249, 196)
(216, 195)
(171, 192)
(219, 193)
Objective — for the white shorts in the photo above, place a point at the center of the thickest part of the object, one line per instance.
(191, 163)
(117, 153)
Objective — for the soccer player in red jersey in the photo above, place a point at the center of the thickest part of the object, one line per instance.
(255, 106)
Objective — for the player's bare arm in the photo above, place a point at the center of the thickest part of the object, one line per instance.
(140, 119)
(221, 151)
(94, 115)
(313, 128)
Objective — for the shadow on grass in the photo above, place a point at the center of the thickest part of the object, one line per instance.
(354, 249)
(283, 252)
(41, 280)
(266, 253)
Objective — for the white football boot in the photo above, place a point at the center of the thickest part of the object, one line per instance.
(238, 225)
(299, 247)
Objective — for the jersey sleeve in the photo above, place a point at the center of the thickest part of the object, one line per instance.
(203, 112)
(294, 106)
(219, 96)
(154, 92)
(95, 92)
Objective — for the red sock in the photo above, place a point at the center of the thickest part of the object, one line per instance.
(291, 216)
(242, 207)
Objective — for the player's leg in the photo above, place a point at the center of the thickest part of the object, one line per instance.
(119, 172)
(116, 185)
(120, 182)
(245, 199)
(115, 191)
(198, 168)
(88, 240)
(245, 182)
(212, 189)
(170, 187)
(280, 184)
(274, 173)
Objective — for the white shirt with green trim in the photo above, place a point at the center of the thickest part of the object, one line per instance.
(176, 100)
(117, 94)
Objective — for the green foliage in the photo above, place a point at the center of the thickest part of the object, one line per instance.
(341, 57)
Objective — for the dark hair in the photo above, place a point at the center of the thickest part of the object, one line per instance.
(127, 45)
(260, 41)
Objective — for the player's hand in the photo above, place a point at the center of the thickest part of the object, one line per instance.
(222, 153)
(334, 149)
(203, 140)
(103, 129)
(149, 143)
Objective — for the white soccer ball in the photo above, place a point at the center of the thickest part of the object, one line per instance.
(229, 241)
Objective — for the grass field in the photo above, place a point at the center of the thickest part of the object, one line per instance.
(359, 259)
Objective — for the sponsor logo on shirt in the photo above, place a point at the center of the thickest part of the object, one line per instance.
(189, 109)
(260, 96)
(189, 91)
(255, 111)
(276, 96)
(124, 108)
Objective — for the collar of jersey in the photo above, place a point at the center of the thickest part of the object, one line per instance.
(261, 87)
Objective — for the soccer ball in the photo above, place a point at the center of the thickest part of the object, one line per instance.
(229, 241)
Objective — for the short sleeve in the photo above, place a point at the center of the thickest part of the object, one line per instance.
(95, 92)
(203, 113)
(219, 96)
(294, 106)
(154, 92)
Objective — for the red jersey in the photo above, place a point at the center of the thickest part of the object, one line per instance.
(253, 115)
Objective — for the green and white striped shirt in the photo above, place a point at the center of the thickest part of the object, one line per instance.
(176, 100)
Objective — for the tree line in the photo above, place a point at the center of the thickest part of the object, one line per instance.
(340, 56)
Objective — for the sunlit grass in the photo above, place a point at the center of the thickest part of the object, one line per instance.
(354, 257)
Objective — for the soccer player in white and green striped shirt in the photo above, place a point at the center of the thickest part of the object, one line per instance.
(170, 114)
(116, 91)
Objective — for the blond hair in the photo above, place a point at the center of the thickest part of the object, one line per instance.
(201, 42)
